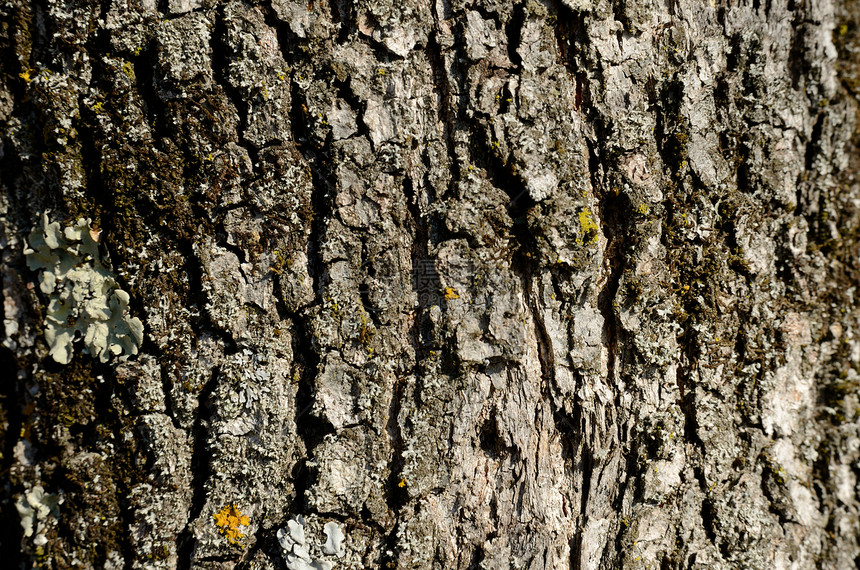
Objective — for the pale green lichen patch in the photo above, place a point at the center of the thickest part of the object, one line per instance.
(84, 298)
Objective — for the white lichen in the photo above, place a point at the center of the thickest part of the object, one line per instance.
(34, 507)
(334, 540)
(85, 300)
(300, 554)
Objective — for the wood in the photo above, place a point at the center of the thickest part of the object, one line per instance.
(545, 284)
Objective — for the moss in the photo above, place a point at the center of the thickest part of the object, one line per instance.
(833, 395)
(281, 262)
(91, 488)
(366, 330)
(68, 399)
(23, 18)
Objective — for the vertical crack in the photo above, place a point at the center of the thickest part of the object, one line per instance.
(166, 383)
(611, 208)
(218, 45)
(106, 398)
(201, 471)
(12, 418)
(421, 277)
(425, 282)
(442, 85)
(311, 430)
(613, 265)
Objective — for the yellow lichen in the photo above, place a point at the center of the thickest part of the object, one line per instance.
(590, 230)
(228, 520)
(128, 69)
(451, 294)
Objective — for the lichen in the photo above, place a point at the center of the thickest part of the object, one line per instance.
(228, 520)
(301, 554)
(34, 507)
(84, 298)
(334, 539)
(590, 230)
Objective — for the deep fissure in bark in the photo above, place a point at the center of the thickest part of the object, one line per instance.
(311, 430)
(201, 470)
(444, 101)
(12, 422)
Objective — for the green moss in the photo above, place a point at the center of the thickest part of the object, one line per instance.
(68, 399)
(833, 396)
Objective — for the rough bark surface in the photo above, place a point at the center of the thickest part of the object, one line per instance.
(543, 284)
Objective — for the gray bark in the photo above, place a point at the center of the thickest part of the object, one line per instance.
(545, 284)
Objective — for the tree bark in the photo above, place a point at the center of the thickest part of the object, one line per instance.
(544, 284)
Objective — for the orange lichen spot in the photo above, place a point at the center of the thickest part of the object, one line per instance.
(451, 294)
(228, 520)
(402, 483)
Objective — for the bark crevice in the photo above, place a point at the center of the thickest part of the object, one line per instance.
(201, 469)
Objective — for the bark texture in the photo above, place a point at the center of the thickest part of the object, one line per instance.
(538, 284)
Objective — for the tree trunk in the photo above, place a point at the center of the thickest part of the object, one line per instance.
(431, 284)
